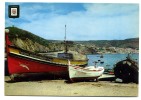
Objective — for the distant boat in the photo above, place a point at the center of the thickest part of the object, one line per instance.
(107, 65)
(102, 62)
(101, 56)
(95, 62)
(77, 73)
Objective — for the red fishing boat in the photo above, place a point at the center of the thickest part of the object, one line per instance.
(21, 61)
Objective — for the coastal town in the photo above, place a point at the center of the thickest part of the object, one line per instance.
(92, 49)
(111, 50)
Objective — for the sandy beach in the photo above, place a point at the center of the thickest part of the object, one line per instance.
(60, 87)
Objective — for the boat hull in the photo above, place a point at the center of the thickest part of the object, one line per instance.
(23, 62)
(19, 64)
(74, 62)
(20, 61)
(77, 73)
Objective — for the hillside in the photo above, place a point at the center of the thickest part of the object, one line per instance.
(28, 41)
(127, 43)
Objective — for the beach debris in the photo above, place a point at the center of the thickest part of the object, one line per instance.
(109, 71)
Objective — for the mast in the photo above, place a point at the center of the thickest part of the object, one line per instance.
(65, 33)
(65, 42)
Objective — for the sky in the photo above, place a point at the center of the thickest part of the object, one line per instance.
(84, 21)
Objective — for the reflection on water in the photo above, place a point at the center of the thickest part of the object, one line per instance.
(109, 60)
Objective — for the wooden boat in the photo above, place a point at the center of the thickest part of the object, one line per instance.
(63, 57)
(77, 73)
(20, 62)
(82, 63)
(127, 70)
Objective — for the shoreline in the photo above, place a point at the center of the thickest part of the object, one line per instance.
(59, 87)
(110, 53)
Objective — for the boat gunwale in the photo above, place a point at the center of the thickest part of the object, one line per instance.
(35, 59)
(49, 57)
(80, 69)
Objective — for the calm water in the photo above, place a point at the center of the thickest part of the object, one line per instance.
(109, 59)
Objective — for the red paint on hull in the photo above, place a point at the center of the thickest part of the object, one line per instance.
(17, 65)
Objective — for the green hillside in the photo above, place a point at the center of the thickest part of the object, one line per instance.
(23, 34)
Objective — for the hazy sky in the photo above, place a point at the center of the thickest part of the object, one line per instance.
(85, 21)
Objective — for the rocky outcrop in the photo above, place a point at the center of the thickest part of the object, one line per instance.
(29, 45)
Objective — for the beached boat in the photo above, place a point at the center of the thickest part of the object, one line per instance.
(127, 70)
(20, 62)
(62, 57)
(77, 73)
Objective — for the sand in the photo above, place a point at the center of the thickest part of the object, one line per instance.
(62, 88)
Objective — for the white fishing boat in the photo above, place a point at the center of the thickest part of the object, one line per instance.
(77, 73)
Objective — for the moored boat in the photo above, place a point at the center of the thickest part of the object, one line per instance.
(77, 73)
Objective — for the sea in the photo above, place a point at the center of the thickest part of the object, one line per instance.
(109, 60)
